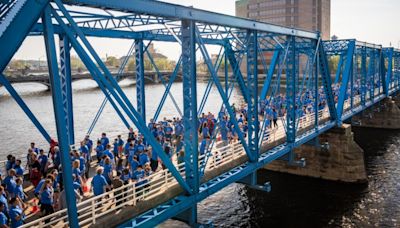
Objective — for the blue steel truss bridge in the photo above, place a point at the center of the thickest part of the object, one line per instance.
(366, 74)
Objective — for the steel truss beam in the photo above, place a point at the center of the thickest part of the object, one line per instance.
(66, 86)
(61, 117)
(140, 93)
(172, 11)
(190, 113)
(106, 82)
(252, 99)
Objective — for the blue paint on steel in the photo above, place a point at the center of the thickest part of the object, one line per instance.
(252, 99)
(66, 86)
(15, 26)
(267, 82)
(140, 93)
(60, 112)
(110, 83)
(190, 120)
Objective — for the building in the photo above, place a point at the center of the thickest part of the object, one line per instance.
(311, 15)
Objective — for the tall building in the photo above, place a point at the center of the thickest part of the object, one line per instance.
(311, 15)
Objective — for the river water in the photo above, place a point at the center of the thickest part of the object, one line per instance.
(294, 201)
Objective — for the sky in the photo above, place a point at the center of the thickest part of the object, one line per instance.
(373, 21)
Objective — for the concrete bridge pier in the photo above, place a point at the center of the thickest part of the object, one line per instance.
(384, 115)
(338, 159)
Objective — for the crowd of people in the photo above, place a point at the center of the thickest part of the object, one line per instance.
(123, 161)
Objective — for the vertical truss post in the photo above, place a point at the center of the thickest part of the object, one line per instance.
(291, 85)
(60, 117)
(66, 86)
(226, 71)
(252, 87)
(389, 71)
(371, 72)
(190, 112)
(363, 75)
(316, 88)
(382, 73)
(140, 91)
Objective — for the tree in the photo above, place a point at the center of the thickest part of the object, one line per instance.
(77, 64)
(112, 61)
(333, 63)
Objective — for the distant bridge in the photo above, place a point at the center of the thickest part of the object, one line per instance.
(150, 76)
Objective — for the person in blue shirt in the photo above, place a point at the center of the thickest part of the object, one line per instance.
(205, 131)
(115, 149)
(139, 177)
(9, 182)
(108, 153)
(17, 214)
(34, 148)
(3, 217)
(89, 143)
(120, 144)
(84, 149)
(19, 190)
(139, 148)
(99, 151)
(10, 162)
(43, 160)
(99, 183)
(77, 172)
(224, 131)
(46, 199)
(18, 169)
(143, 158)
(3, 199)
(179, 128)
(126, 176)
(154, 160)
(168, 132)
(108, 170)
(134, 164)
(203, 145)
(104, 140)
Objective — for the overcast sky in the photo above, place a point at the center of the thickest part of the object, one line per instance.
(374, 21)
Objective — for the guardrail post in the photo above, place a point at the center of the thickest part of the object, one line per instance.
(134, 194)
(93, 208)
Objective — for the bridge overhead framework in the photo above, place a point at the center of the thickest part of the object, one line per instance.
(366, 74)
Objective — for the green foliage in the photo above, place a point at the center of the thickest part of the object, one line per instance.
(333, 63)
(112, 61)
(77, 64)
(19, 65)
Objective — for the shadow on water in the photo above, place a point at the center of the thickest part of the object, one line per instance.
(307, 202)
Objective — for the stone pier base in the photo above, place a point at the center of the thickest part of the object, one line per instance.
(385, 115)
(342, 161)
